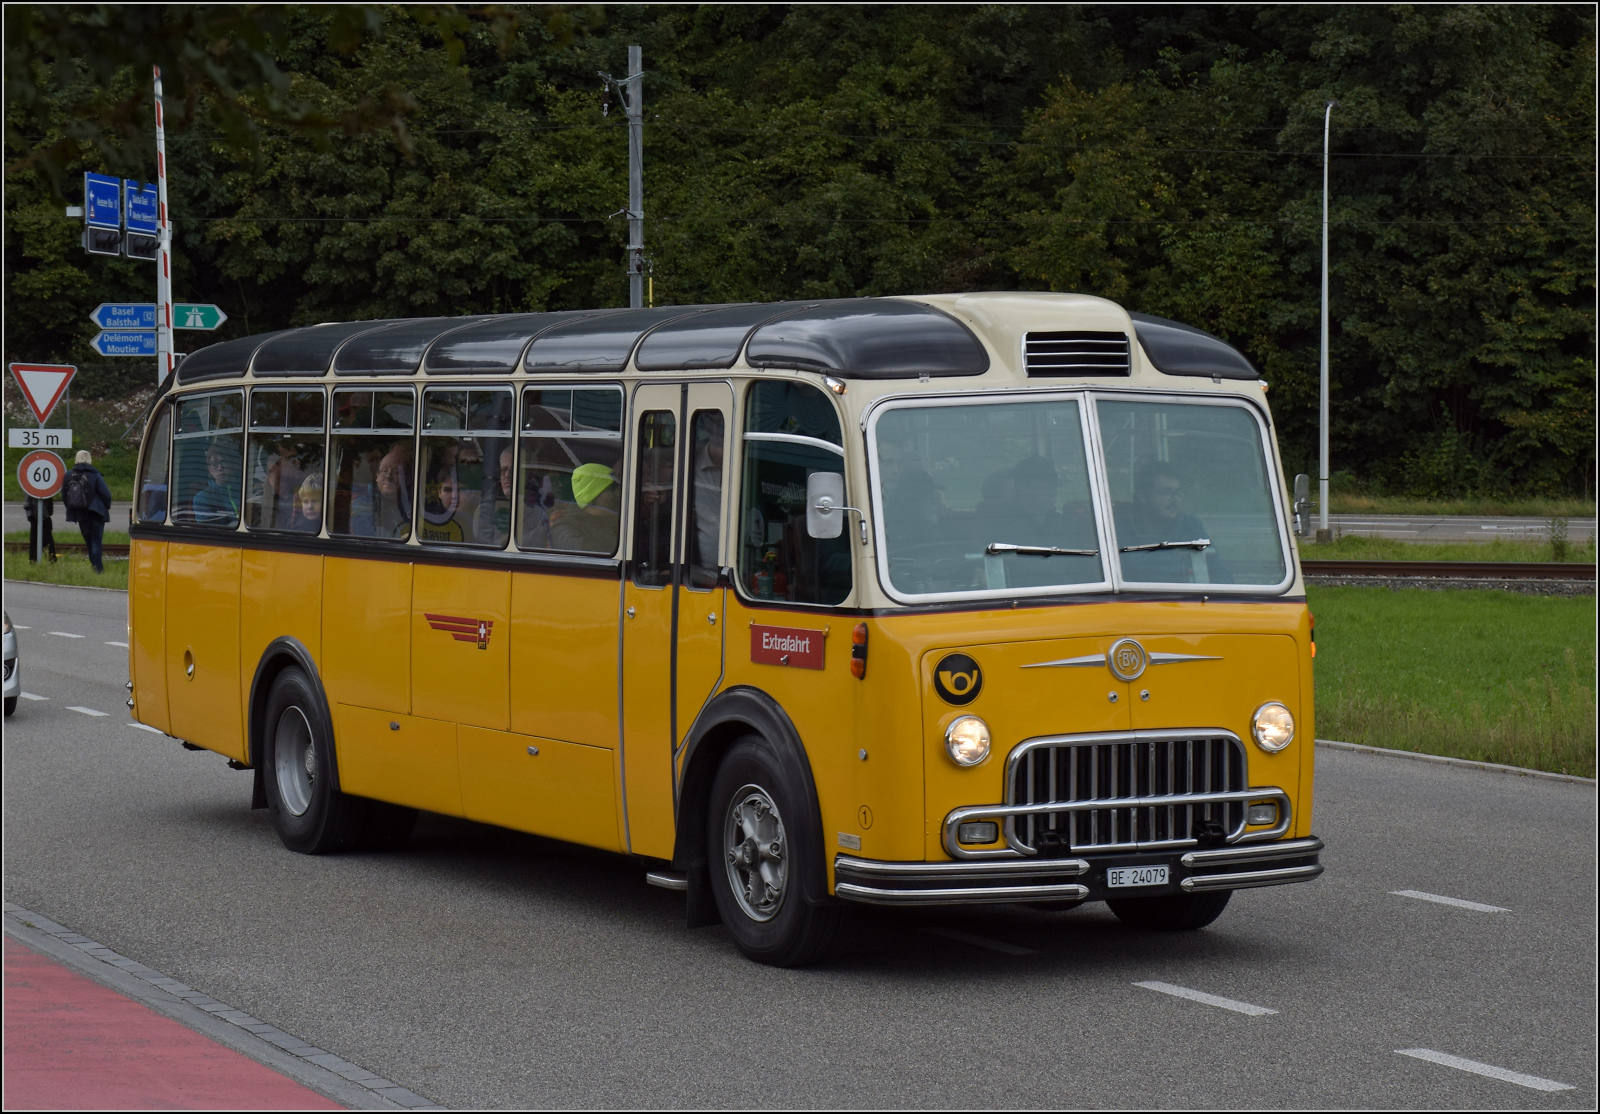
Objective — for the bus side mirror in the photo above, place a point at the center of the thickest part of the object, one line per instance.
(1302, 504)
(825, 504)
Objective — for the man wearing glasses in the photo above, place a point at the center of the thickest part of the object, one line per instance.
(1169, 545)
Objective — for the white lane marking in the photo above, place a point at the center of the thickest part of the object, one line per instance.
(19, 626)
(86, 711)
(124, 645)
(33, 696)
(1456, 901)
(64, 634)
(981, 941)
(1489, 1070)
(1207, 999)
(147, 727)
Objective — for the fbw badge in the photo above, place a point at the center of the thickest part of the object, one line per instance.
(957, 679)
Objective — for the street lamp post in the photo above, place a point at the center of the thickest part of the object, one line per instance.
(1324, 534)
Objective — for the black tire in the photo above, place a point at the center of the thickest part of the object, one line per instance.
(1173, 912)
(776, 922)
(11, 705)
(311, 814)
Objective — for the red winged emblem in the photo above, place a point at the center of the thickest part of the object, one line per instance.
(462, 629)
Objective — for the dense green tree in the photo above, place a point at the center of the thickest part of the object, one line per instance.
(435, 160)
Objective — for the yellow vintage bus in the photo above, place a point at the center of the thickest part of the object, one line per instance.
(916, 600)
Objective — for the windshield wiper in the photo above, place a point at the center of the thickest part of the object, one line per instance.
(1198, 543)
(995, 548)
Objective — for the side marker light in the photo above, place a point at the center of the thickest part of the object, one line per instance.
(858, 652)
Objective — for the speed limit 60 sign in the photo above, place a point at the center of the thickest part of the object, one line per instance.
(40, 474)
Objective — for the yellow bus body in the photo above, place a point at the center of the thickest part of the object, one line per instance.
(576, 707)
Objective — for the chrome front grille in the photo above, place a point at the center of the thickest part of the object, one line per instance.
(1135, 768)
(1076, 353)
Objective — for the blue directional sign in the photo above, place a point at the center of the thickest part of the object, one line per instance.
(140, 200)
(102, 201)
(125, 315)
(126, 342)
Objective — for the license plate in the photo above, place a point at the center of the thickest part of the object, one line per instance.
(1136, 876)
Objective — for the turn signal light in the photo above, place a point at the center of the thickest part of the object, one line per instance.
(858, 652)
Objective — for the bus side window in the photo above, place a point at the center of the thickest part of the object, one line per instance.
(371, 454)
(283, 461)
(207, 460)
(466, 441)
(791, 430)
(705, 498)
(569, 483)
(652, 513)
(153, 480)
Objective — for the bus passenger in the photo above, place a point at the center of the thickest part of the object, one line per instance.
(390, 501)
(217, 503)
(441, 499)
(308, 506)
(592, 525)
(492, 525)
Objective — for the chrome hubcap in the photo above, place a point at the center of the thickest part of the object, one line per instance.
(296, 760)
(756, 853)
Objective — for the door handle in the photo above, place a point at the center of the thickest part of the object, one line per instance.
(629, 612)
(712, 618)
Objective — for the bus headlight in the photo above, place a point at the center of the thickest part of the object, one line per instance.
(1273, 727)
(967, 740)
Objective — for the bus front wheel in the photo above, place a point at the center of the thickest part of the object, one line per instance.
(758, 863)
(310, 813)
(1172, 912)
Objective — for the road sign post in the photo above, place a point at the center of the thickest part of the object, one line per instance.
(126, 342)
(194, 315)
(141, 219)
(40, 474)
(102, 214)
(43, 386)
(125, 315)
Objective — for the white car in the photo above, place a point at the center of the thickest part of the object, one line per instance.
(13, 673)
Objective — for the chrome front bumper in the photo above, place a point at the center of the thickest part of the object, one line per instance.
(1081, 878)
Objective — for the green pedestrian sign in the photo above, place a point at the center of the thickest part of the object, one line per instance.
(190, 315)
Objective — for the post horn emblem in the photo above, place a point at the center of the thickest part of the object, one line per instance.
(1126, 659)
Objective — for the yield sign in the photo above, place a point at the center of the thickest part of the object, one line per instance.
(43, 385)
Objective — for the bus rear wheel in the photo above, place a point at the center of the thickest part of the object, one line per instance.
(758, 862)
(1173, 912)
(311, 814)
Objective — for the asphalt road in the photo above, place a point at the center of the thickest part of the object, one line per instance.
(481, 967)
(1456, 528)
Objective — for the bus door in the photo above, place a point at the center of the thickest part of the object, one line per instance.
(673, 613)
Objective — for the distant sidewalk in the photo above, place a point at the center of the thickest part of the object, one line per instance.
(17, 519)
(73, 1044)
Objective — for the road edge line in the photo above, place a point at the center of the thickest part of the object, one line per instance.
(143, 985)
(1464, 763)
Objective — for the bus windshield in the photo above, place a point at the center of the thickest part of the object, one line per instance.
(997, 497)
(986, 497)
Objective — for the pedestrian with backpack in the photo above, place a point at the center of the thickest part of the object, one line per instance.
(88, 502)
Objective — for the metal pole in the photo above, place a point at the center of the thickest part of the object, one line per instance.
(1324, 534)
(635, 101)
(164, 345)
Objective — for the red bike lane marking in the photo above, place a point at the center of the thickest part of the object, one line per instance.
(70, 1043)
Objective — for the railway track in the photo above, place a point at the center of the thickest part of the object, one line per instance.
(1390, 570)
(1453, 570)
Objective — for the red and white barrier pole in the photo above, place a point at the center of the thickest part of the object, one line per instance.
(164, 346)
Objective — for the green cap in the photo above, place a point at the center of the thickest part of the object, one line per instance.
(589, 480)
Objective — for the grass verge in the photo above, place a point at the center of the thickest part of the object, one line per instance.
(67, 534)
(1357, 503)
(1352, 547)
(1476, 674)
(69, 568)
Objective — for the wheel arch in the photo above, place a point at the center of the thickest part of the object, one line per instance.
(280, 654)
(731, 715)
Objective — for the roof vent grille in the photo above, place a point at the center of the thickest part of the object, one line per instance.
(1053, 354)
